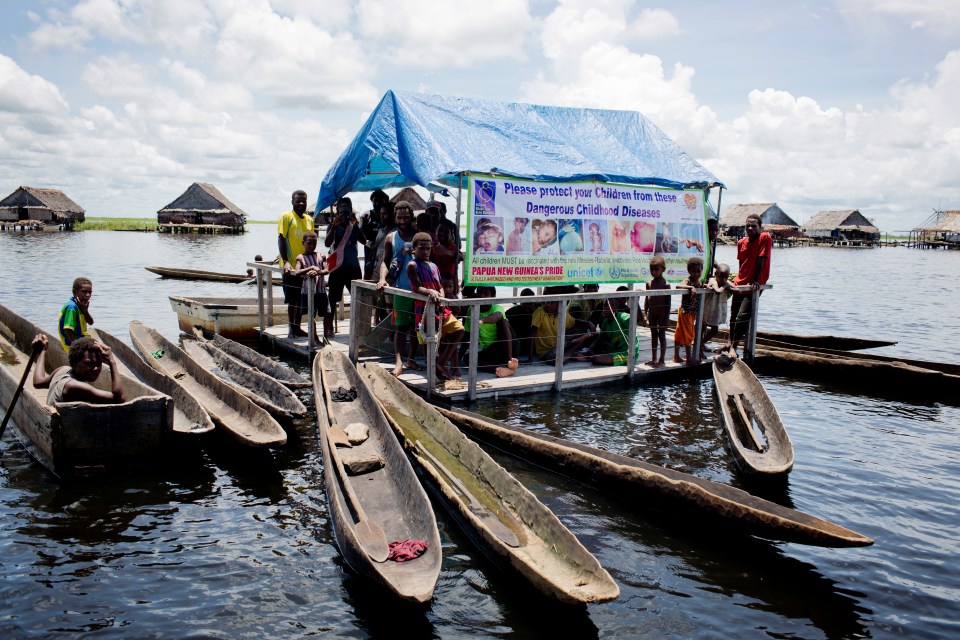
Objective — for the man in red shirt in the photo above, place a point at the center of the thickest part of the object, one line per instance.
(753, 252)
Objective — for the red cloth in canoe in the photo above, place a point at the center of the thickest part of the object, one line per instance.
(403, 550)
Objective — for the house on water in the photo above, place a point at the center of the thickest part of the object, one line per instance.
(35, 205)
(201, 208)
(775, 221)
(942, 229)
(848, 228)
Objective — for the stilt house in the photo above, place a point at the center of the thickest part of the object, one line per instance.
(410, 195)
(940, 229)
(775, 221)
(849, 224)
(49, 206)
(202, 204)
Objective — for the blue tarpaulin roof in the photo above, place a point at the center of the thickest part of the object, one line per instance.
(428, 140)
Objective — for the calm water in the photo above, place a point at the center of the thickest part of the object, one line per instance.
(229, 545)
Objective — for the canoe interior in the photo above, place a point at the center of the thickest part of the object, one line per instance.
(80, 438)
(548, 556)
(255, 385)
(234, 317)
(391, 496)
(189, 416)
(254, 358)
(758, 439)
(670, 492)
(229, 409)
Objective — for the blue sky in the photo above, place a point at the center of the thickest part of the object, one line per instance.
(835, 105)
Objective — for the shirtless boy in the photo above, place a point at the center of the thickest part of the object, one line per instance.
(687, 316)
(657, 311)
(515, 240)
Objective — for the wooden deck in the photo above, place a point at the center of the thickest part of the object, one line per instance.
(530, 378)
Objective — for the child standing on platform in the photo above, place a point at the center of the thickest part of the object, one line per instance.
(657, 311)
(310, 264)
(719, 290)
(687, 316)
(425, 280)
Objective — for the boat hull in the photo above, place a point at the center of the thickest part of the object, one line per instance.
(80, 438)
(670, 490)
(506, 521)
(228, 408)
(746, 408)
(234, 318)
(391, 496)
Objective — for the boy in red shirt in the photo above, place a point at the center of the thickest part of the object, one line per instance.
(753, 253)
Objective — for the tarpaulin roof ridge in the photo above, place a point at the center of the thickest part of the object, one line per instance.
(419, 139)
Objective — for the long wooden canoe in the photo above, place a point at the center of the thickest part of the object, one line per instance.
(206, 276)
(189, 416)
(757, 437)
(254, 358)
(835, 355)
(254, 384)
(391, 497)
(675, 491)
(919, 379)
(79, 438)
(503, 518)
(800, 341)
(229, 409)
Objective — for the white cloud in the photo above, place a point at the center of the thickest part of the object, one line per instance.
(21, 92)
(942, 16)
(428, 34)
(293, 61)
(576, 25)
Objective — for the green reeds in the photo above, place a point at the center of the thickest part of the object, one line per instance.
(116, 224)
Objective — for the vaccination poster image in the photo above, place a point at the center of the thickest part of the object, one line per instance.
(522, 232)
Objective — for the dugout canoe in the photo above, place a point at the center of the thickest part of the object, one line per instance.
(189, 416)
(232, 317)
(391, 496)
(79, 438)
(254, 384)
(504, 519)
(273, 368)
(798, 341)
(175, 273)
(229, 409)
(918, 379)
(756, 435)
(672, 491)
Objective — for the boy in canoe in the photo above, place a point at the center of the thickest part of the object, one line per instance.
(75, 315)
(74, 383)
(310, 265)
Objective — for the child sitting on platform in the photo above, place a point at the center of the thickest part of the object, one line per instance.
(687, 316)
(310, 264)
(657, 311)
(719, 291)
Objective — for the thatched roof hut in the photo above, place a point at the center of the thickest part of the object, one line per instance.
(849, 224)
(202, 203)
(50, 206)
(942, 226)
(410, 195)
(775, 221)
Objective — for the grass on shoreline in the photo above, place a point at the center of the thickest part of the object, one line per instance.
(131, 224)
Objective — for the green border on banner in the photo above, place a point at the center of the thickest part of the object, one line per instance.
(640, 221)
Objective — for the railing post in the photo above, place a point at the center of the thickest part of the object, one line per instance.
(631, 337)
(698, 332)
(473, 352)
(354, 333)
(750, 345)
(559, 351)
(260, 276)
(270, 299)
(430, 319)
(311, 321)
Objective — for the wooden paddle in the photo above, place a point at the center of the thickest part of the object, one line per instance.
(371, 536)
(23, 380)
(490, 519)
